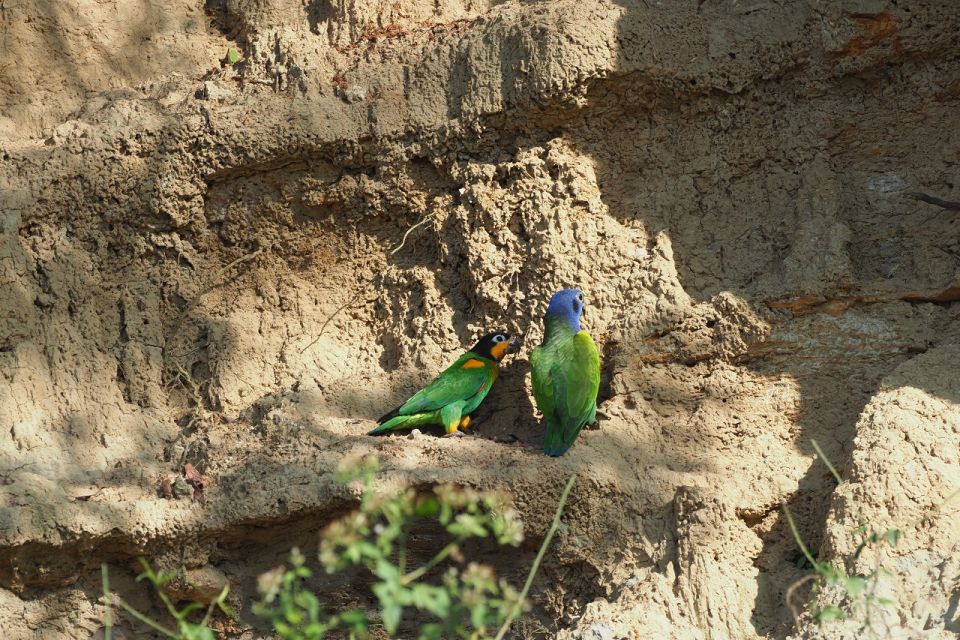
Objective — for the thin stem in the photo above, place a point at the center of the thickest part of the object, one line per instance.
(796, 536)
(216, 603)
(826, 461)
(157, 582)
(331, 317)
(515, 611)
(107, 610)
(434, 561)
(402, 555)
(156, 626)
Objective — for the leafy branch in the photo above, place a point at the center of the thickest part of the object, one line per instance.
(857, 594)
(185, 630)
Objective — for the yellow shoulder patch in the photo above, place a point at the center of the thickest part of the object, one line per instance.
(473, 363)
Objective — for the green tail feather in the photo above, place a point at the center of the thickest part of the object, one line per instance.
(405, 422)
(555, 444)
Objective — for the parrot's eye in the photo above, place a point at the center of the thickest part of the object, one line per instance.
(580, 297)
(499, 338)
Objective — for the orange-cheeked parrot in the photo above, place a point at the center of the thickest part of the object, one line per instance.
(565, 372)
(456, 392)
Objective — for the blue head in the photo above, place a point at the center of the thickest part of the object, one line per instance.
(566, 305)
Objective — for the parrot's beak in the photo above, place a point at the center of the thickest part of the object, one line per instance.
(514, 345)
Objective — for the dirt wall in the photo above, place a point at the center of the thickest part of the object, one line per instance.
(241, 266)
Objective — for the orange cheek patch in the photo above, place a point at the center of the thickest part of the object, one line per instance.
(498, 350)
(472, 364)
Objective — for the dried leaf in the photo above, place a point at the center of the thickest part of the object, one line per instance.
(166, 487)
(191, 474)
(196, 480)
(86, 497)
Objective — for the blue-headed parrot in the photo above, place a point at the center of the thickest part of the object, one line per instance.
(457, 391)
(565, 372)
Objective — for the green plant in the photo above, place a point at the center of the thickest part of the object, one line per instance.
(855, 596)
(185, 630)
(295, 612)
(463, 602)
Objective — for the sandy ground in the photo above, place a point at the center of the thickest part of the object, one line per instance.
(241, 267)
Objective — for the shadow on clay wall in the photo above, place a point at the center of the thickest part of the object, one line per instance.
(59, 52)
(691, 163)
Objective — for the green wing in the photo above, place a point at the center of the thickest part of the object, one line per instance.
(574, 380)
(577, 382)
(540, 365)
(454, 384)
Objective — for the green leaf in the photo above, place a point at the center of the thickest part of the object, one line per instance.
(367, 549)
(387, 571)
(426, 597)
(829, 613)
(855, 586)
(391, 617)
(431, 631)
(233, 57)
(467, 525)
(478, 614)
(190, 608)
(293, 616)
(832, 574)
(352, 554)
(893, 536)
(302, 572)
(355, 619)
(860, 548)
(196, 632)
(426, 506)
(312, 605)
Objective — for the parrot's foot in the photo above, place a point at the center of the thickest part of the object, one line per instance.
(454, 434)
(595, 425)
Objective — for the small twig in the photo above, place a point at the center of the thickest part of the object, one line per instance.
(184, 354)
(350, 302)
(515, 611)
(212, 283)
(946, 204)
(194, 388)
(332, 316)
(403, 241)
(792, 588)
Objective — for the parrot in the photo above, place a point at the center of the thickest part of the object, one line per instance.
(450, 398)
(565, 372)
